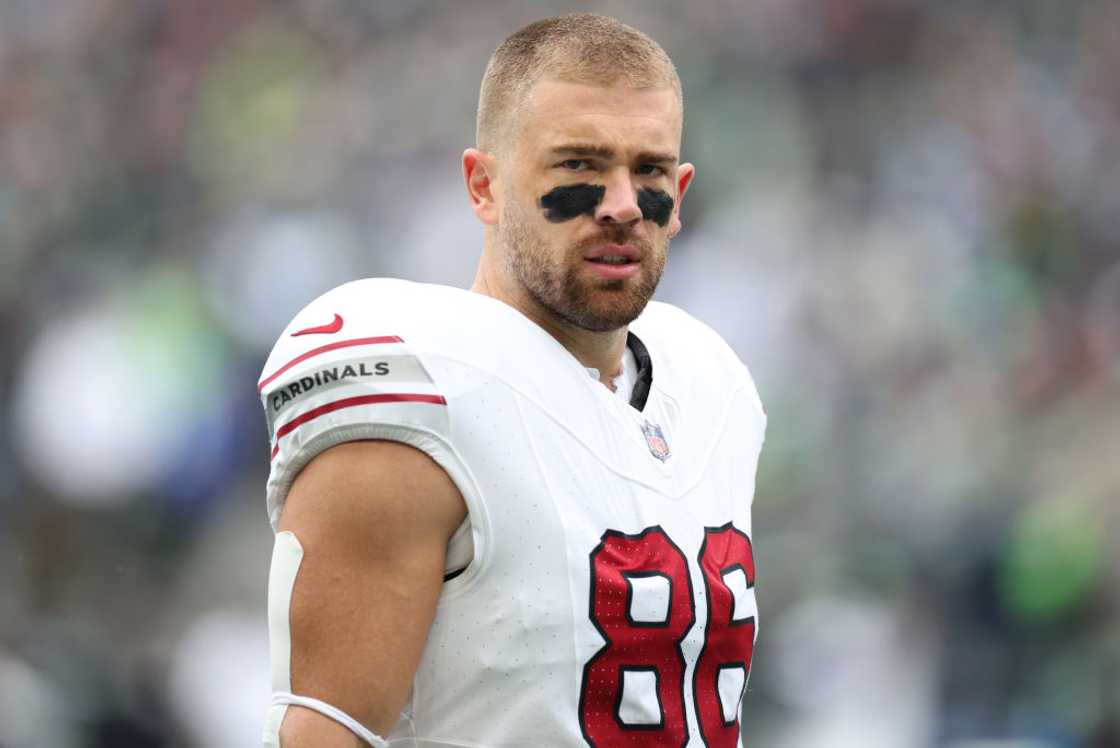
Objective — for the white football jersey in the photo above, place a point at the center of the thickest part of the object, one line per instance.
(608, 595)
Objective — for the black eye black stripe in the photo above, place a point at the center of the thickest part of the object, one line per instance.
(570, 201)
(655, 205)
(573, 200)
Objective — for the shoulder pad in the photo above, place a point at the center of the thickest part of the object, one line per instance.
(343, 370)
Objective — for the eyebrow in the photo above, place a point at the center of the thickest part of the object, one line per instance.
(598, 151)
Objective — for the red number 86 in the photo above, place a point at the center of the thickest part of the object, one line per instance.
(644, 652)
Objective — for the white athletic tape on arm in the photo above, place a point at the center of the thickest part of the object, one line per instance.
(339, 716)
(287, 555)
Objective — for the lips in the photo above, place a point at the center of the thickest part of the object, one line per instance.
(614, 261)
(613, 254)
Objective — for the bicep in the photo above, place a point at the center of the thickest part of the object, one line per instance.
(373, 519)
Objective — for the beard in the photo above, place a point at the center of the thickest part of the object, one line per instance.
(559, 283)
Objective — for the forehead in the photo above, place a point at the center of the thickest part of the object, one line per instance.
(618, 116)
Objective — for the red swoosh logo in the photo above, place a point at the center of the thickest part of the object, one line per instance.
(327, 329)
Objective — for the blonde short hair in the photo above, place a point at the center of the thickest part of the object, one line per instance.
(581, 47)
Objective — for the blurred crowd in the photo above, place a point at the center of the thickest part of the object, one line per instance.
(906, 220)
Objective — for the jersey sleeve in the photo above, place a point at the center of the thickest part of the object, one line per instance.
(343, 372)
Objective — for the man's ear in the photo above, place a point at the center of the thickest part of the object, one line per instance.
(685, 173)
(479, 172)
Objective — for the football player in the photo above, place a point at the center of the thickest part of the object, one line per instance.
(519, 515)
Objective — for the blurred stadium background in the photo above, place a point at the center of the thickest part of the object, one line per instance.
(906, 220)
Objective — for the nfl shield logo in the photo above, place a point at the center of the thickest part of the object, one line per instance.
(656, 441)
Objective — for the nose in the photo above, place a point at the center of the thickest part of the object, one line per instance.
(620, 202)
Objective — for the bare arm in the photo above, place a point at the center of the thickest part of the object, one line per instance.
(373, 518)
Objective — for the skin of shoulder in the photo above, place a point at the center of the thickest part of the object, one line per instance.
(374, 519)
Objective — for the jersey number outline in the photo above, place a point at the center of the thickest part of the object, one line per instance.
(654, 646)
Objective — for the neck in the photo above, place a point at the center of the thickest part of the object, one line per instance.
(595, 350)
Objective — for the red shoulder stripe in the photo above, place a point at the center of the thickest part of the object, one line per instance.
(324, 349)
(350, 402)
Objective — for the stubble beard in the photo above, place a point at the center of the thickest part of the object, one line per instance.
(560, 284)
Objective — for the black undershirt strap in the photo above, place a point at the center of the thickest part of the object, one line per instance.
(642, 382)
